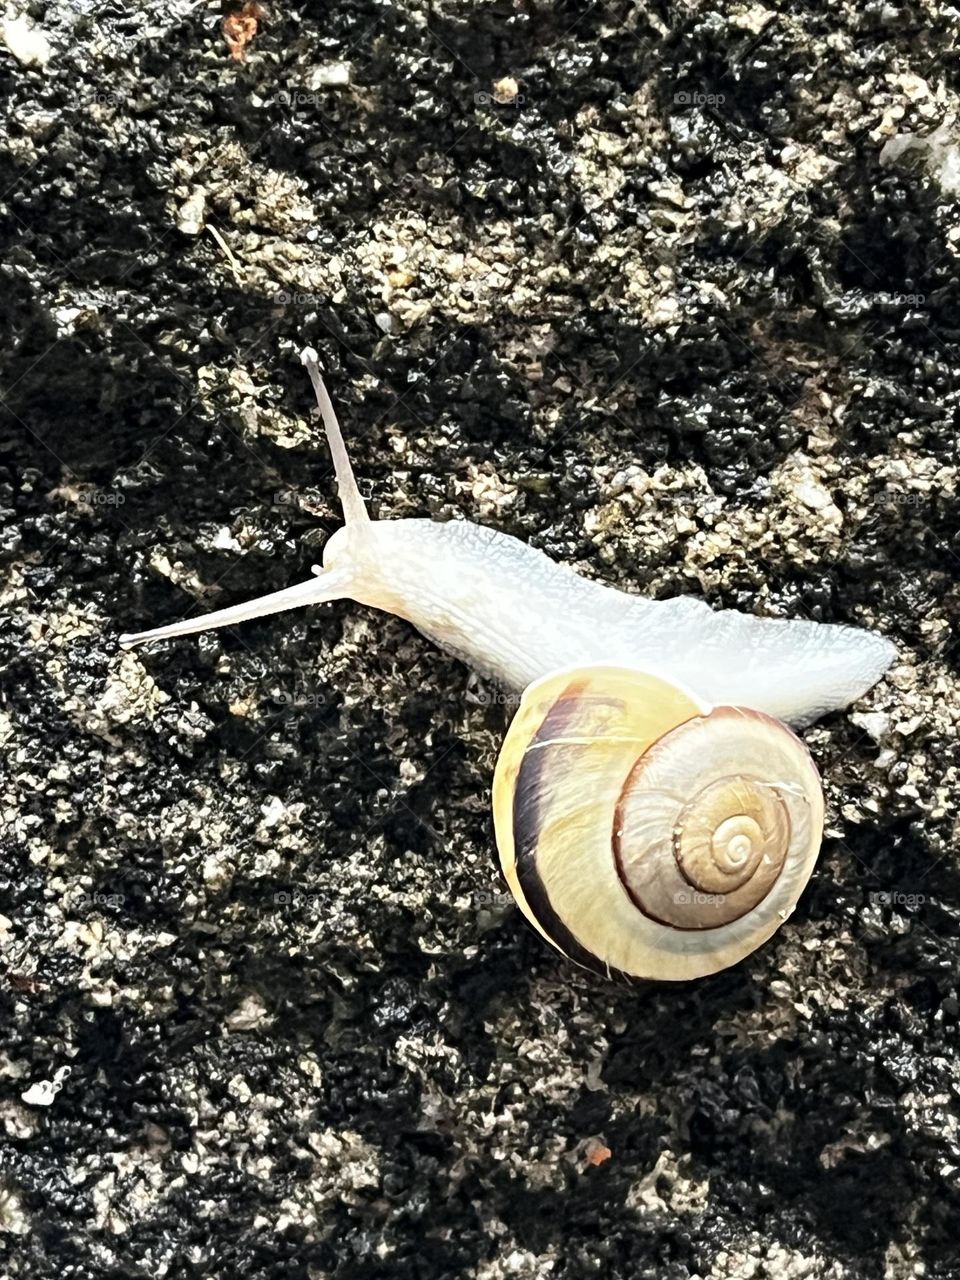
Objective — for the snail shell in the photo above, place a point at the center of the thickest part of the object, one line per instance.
(646, 834)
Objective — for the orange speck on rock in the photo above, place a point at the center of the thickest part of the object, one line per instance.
(240, 26)
(597, 1153)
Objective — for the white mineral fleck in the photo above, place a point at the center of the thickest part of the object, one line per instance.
(331, 75)
(875, 723)
(939, 151)
(191, 216)
(43, 1092)
(26, 42)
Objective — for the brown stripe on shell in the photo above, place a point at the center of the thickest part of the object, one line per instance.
(526, 828)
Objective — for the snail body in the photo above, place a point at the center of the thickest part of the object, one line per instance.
(653, 815)
(513, 614)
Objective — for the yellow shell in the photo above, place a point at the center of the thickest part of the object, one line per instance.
(644, 833)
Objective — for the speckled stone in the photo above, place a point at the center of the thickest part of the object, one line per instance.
(656, 306)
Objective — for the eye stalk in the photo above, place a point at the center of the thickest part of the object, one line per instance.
(327, 584)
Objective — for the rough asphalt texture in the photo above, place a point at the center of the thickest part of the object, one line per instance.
(665, 313)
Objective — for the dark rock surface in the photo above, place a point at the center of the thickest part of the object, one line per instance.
(665, 314)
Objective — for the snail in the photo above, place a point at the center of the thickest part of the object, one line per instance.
(655, 816)
(647, 834)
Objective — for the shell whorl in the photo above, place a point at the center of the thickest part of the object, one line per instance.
(644, 832)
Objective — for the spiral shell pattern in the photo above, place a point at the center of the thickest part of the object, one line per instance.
(645, 833)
